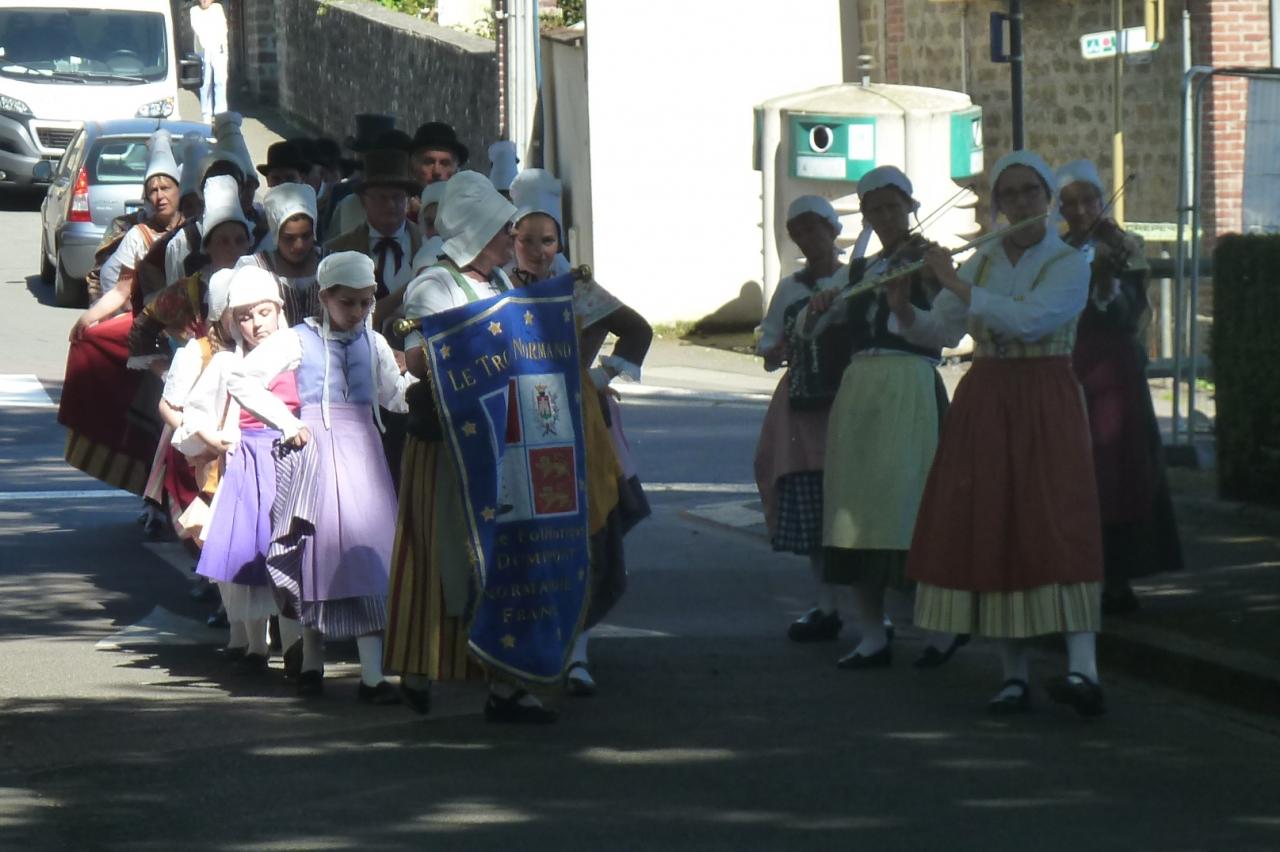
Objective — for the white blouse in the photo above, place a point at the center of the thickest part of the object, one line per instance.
(1006, 302)
(183, 372)
(282, 351)
(209, 408)
(435, 291)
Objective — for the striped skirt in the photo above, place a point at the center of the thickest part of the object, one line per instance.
(431, 581)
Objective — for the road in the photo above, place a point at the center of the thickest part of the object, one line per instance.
(121, 729)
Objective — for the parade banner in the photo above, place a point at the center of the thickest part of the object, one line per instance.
(507, 383)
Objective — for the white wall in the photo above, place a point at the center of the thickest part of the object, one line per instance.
(672, 85)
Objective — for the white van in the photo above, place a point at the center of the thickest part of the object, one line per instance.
(65, 62)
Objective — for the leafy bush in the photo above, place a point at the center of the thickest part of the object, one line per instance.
(1246, 296)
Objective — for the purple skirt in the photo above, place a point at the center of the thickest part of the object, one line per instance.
(337, 523)
(235, 549)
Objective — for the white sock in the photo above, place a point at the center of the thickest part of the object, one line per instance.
(506, 690)
(1017, 666)
(1082, 654)
(290, 632)
(239, 637)
(416, 681)
(826, 593)
(312, 650)
(257, 630)
(579, 654)
(868, 617)
(370, 650)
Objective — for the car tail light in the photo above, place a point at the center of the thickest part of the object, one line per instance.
(80, 199)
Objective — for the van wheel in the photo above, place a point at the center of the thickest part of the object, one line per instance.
(47, 270)
(69, 292)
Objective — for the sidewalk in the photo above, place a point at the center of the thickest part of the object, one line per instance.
(1210, 630)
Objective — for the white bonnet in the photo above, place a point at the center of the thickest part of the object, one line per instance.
(882, 176)
(471, 214)
(287, 200)
(346, 269)
(1080, 171)
(1031, 160)
(219, 292)
(817, 205)
(251, 285)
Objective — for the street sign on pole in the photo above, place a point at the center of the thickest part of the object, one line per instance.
(1103, 45)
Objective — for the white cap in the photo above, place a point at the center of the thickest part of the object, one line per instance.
(346, 269)
(160, 159)
(433, 193)
(251, 285)
(195, 148)
(1080, 171)
(471, 214)
(882, 176)
(1029, 159)
(287, 200)
(222, 205)
(229, 146)
(817, 205)
(537, 191)
(504, 164)
(219, 290)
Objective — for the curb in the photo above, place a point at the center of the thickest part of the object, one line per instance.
(1231, 509)
(1237, 679)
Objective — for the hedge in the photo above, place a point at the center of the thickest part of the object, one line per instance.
(1246, 366)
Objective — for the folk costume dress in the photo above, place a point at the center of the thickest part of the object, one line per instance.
(1139, 530)
(98, 391)
(789, 455)
(881, 438)
(301, 294)
(1007, 541)
(334, 521)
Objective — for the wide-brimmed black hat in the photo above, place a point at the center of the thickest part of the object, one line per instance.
(285, 155)
(388, 167)
(328, 153)
(368, 126)
(438, 136)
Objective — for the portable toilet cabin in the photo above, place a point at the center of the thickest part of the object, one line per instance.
(821, 142)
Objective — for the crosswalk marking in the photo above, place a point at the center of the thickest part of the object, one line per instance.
(23, 391)
(92, 493)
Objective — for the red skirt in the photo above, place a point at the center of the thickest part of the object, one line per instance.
(1010, 503)
(96, 394)
(1110, 369)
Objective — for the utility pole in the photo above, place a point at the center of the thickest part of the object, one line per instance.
(1015, 70)
(1117, 117)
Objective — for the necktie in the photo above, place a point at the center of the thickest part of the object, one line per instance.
(384, 247)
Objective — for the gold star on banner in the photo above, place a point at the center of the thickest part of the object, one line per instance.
(469, 429)
(508, 641)
(445, 352)
(528, 317)
(568, 315)
(488, 513)
(495, 328)
(582, 575)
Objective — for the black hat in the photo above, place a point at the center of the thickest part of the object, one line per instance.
(368, 126)
(388, 167)
(285, 155)
(436, 135)
(392, 139)
(326, 152)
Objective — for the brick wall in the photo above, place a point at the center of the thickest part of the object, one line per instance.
(341, 57)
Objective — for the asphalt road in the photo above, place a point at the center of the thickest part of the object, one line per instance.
(121, 729)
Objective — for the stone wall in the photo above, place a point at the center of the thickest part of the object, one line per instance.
(341, 57)
(258, 37)
(1068, 100)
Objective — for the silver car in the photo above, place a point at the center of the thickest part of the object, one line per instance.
(98, 178)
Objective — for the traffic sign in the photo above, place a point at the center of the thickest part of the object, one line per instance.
(1103, 45)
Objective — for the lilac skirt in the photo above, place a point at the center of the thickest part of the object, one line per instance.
(235, 549)
(335, 524)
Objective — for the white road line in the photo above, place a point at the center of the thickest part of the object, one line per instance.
(691, 394)
(700, 487)
(734, 514)
(97, 493)
(23, 391)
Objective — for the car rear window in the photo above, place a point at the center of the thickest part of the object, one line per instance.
(119, 161)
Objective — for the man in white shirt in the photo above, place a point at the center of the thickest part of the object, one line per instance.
(209, 23)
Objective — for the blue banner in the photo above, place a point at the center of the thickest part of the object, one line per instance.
(508, 385)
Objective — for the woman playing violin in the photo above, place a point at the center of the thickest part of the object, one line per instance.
(1139, 532)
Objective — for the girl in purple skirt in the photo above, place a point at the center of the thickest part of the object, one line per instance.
(335, 513)
(239, 533)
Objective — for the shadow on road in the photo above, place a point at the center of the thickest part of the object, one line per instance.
(42, 292)
(21, 200)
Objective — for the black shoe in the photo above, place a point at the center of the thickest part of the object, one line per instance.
(217, 619)
(1011, 705)
(203, 591)
(419, 700)
(273, 634)
(511, 711)
(251, 664)
(1121, 601)
(381, 695)
(154, 528)
(311, 684)
(578, 681)
(815, 626)
(293, 660)
(881, 659)
(1078, 691)
(932, 658)
(234, 655)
